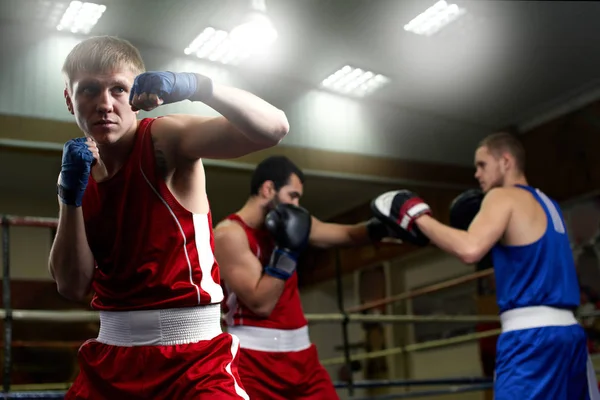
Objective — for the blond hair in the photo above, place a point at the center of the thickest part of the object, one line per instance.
(501, 142)
(102, 54)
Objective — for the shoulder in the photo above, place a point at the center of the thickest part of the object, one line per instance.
(164, 128)
(501, 196)
(230, 233)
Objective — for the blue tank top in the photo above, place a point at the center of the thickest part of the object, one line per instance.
(540, 273)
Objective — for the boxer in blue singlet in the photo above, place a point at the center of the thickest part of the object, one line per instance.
(542, 351)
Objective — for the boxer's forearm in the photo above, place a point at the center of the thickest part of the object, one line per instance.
(454, 241)
(358, 234)
(260, 121)
(326, 235)
(264, 296)
(71, 262)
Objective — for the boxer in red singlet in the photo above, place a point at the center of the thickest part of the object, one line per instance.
(135, 224)
(262, 307)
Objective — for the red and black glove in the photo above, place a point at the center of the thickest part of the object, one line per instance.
(398, 210)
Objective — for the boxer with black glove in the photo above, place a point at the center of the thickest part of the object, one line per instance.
(464, 208)
(290, 227)
(542, 346)
(263, 300)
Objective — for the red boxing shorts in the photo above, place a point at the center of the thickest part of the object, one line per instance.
(159, 354)
(290, 370)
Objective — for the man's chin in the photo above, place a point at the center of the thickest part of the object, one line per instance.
(104, 136)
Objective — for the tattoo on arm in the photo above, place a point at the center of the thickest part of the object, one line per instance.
(160, 161)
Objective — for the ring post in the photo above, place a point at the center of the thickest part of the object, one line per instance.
(6, 305)
(345, 320)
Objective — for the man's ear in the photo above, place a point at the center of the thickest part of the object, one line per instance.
(507, 160)
(267, 189)
(69, 101)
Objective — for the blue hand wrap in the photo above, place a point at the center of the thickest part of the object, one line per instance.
(172, 87)
(282, 264)
(277, 273)
(77, 162)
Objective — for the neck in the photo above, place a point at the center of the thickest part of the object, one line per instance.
(516, 180)
(253, 212)
(114, 155)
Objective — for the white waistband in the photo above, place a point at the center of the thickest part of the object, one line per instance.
(274, 340)
(160, 327)
(536, 317)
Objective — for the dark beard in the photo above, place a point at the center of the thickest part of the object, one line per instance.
(273, 203)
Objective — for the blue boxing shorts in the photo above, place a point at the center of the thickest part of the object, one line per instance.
(542, 354)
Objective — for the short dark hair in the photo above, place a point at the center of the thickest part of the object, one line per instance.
(506, 142)
(277, 169)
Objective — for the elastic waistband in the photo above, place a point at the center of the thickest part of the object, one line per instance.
(536, 317)
(160, 327)
(273, 340)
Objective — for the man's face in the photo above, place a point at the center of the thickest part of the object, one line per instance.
(288, 194)
(100, 104)
(488, 170)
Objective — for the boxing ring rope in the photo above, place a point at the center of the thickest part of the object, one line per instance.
(428, 393)
(413, 382)
(93, 316)
(318, 318)
(410, 348)
(57, 394)
(8, 220)
(345, 316)
(423, 291)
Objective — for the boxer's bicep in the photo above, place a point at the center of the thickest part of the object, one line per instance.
(490, 224)
(198, 137)
(240, 268)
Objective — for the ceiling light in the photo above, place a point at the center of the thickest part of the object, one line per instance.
(217, 46)
(253, 36)
(47, 12)
(434, 18)
(256, 33)
(354, 81)
(81, 17)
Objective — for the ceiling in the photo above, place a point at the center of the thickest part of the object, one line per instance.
(502, 64)
(499, 65)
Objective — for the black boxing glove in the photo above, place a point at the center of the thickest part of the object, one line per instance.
(398, 210)
(377, 230)
(464, 208)
(290, 226)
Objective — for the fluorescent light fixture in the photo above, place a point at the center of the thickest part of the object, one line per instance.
(81, 17)
(434, 18)
(354, 81)
(217, 46)
(256, 32)
(48, 12)
(223, 47)
(252, 37)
